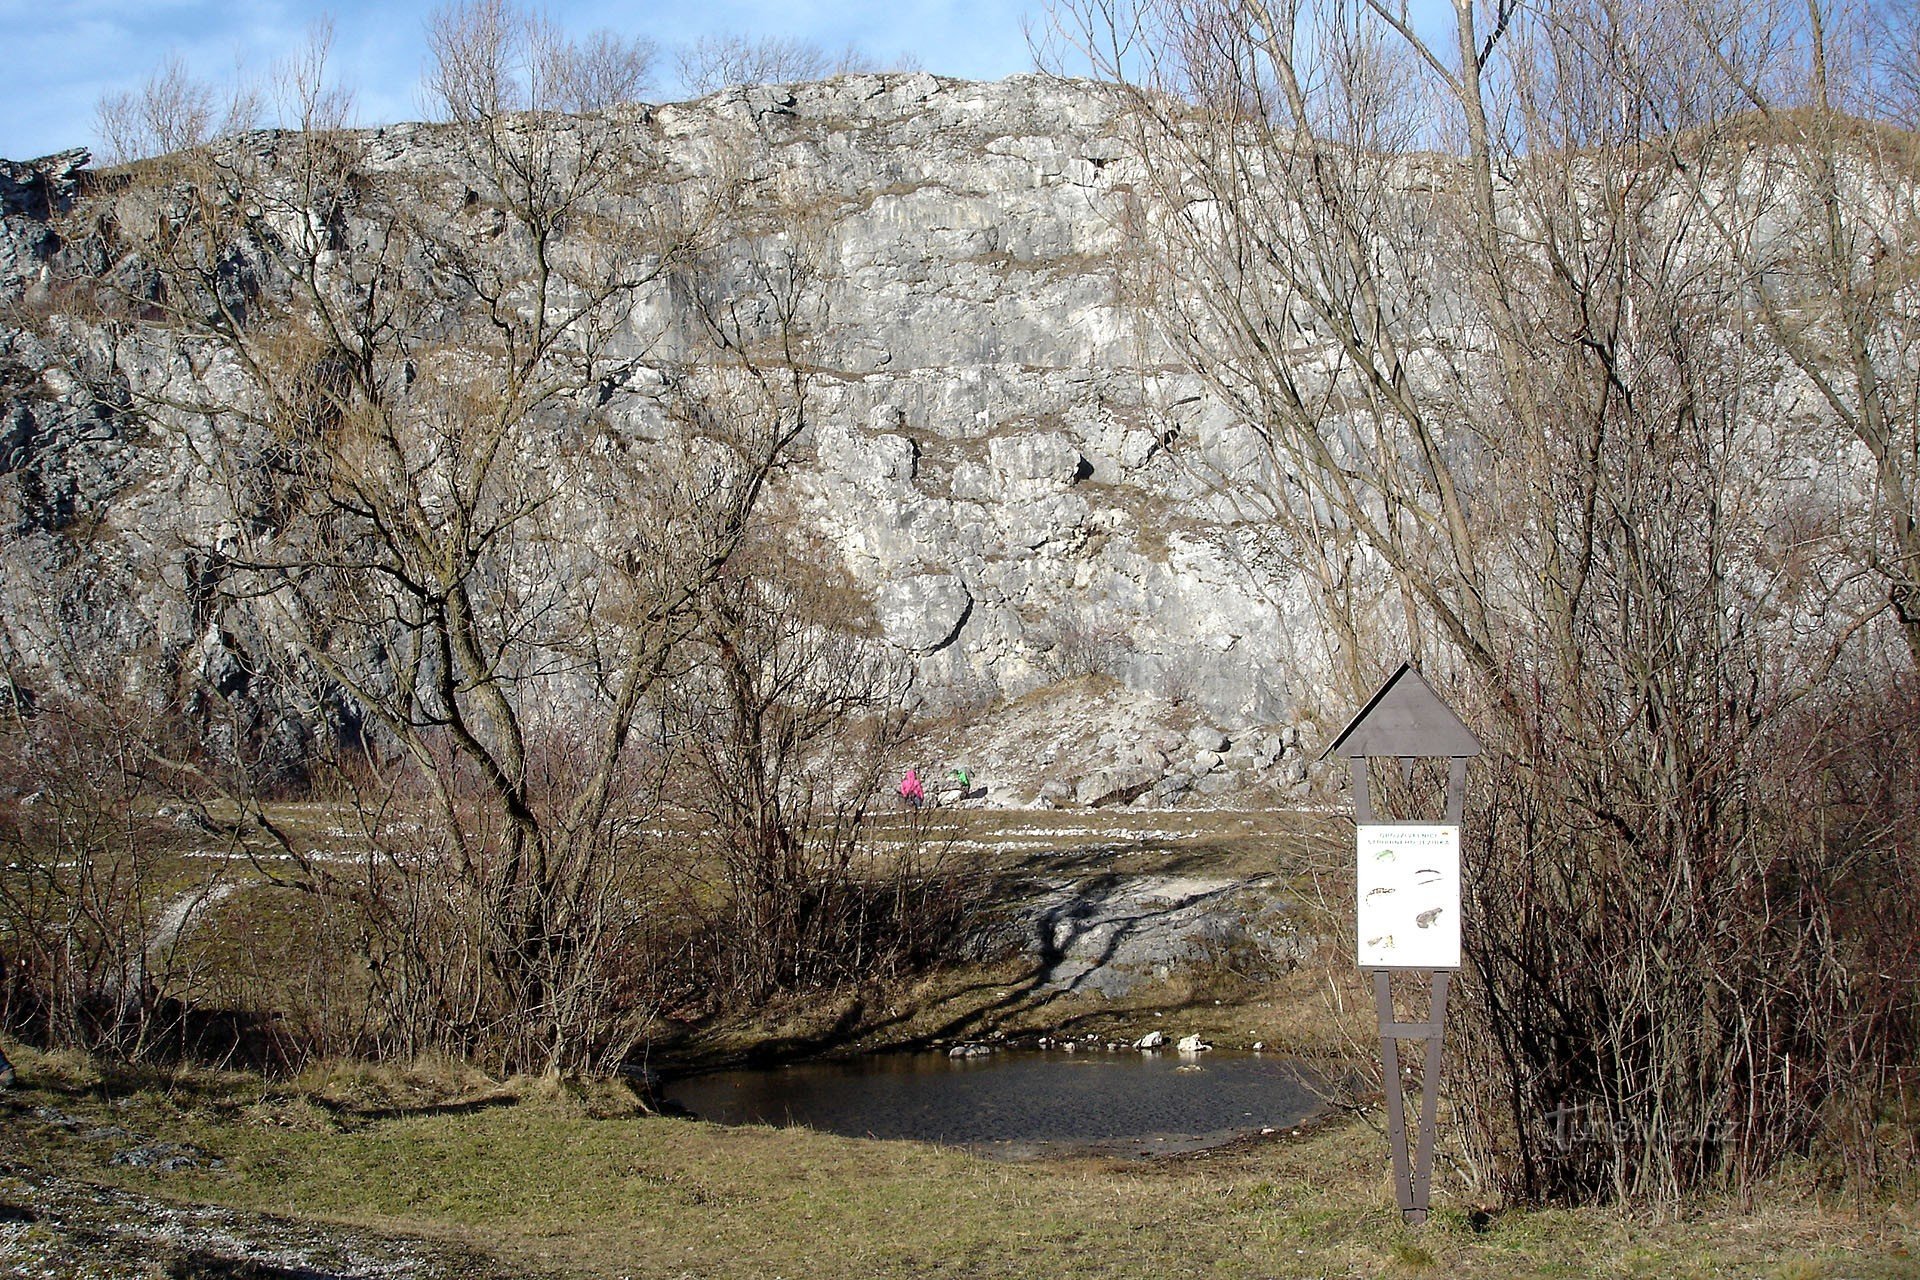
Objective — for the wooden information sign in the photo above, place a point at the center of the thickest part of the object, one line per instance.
(1407, 899)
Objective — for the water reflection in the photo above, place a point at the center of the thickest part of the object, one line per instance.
(1019, 1104)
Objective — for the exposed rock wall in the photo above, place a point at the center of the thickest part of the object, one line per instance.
(990, 450)
(992, 460)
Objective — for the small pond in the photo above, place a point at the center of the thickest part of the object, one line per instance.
(1020, 1104)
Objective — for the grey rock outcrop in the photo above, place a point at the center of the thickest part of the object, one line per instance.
(924, 613)
(30, 194)
(990, 450)
(1114, 936)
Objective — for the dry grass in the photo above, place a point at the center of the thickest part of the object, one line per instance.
(552, 1178)
(1317, 1010)
(540, 1178)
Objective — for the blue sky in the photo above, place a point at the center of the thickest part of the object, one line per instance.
(61, 56)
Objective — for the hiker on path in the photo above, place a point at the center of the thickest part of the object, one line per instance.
(910, 789)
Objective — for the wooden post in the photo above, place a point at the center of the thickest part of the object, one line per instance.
(1412, 1179)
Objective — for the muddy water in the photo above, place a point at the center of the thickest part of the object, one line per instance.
(1020, 1104)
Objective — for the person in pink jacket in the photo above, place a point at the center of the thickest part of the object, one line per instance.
(910, 789)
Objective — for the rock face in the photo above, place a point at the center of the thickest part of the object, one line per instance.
(995, 460)
(1115, 937)
(991, 455)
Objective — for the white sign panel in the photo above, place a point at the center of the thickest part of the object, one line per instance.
(1409, 890)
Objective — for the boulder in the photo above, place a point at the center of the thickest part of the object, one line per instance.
(1046, 456)
(1119, 785)
(1206, 738)
(1218, 783)
(1151, 1040)
(883, 463)
(1192, 1044)
(1054, 793)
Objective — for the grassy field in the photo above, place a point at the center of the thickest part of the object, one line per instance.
(543, 1181)
(532, 1178)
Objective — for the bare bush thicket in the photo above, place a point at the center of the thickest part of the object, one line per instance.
(95, 898)
(1085, 643)
(447, 541)
(791, 722)
(1475, 293)
(713, 62)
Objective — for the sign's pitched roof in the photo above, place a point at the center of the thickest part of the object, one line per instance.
(1405, 718)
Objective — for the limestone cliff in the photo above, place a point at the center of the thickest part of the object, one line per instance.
(990, 451)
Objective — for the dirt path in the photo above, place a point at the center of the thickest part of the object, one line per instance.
(178, 915)
(55, 1226)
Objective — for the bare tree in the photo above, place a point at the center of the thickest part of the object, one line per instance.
(172, 111)
(1465, 294)
(713, 62)
(442, 541)
(1894, 61)
(1818, 212)
(490, 59)
(605, 70)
